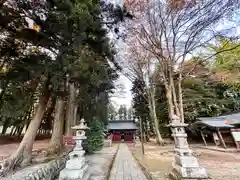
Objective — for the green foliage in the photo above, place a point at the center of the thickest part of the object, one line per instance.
(203, 96)
(228, 53)
(227, 61)
(71, 45)
(140, 103)
(112, 112)
(122, 111)
(95, 136)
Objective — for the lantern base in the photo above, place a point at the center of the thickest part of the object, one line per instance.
(75, 174)
(190, 173)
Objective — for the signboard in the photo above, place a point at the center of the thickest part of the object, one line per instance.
(236, 134)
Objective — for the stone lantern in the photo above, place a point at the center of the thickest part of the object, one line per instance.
(185, 165)
(76, 166)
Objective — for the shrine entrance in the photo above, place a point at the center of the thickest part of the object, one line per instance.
(122, 136)
(122, 130)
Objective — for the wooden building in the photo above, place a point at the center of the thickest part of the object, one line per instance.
(223, 130)
(122, 130)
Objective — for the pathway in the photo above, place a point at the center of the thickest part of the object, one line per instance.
(125, 166)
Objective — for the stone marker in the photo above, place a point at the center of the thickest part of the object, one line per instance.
(185, 165)
(76, 167)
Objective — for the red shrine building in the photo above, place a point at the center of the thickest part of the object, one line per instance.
(122, 130)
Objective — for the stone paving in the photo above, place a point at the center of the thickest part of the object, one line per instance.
(125, 166)
(99, 162)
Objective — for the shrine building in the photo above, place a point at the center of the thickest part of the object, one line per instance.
(223, 130)
(122, 130)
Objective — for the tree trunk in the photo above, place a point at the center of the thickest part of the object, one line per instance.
(22, 155)
(146, 130)
(75, 114)
(47, 117)
(55, 145)
(173, 90)
(180, 95)
(151, 128)
(12, 129)
(15, 130)
(160, 140)
(5, 126)
(169, 101)
(2, 93)
(70, 111)
(152, 108)
(19, 132)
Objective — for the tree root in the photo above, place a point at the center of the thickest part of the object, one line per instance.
(9, 165)
(14, 162)
(161, 142)
(53, 150)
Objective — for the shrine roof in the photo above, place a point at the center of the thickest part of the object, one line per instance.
(216, 123)
(226, 121)
(122, 125)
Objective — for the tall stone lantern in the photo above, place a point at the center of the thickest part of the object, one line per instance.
(76, 167)
(185, 165)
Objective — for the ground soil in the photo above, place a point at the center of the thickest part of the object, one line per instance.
(7, 149)
(219, 165)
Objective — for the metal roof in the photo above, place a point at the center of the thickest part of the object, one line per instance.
(234, 118)
(121, 125)
(226, 121)
(214, 123)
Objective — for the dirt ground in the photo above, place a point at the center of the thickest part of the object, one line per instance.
(7, 149)
(219, 165)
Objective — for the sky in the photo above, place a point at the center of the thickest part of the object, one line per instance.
(126, 97)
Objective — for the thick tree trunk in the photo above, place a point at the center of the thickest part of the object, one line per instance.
(28, 118)
(180, 95)
(152, 108)
(75, 114)
(22, 156)
(55, 145)
(169, 101)
(160, 140)
(47, 117)
(70, 111)
(173, 89)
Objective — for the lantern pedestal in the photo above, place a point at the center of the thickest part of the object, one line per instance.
(185, 165)
(76, 167)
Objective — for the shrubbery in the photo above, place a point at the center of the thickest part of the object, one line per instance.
(95, 136)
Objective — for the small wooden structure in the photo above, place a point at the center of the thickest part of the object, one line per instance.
(122, 130)
(225, 130)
